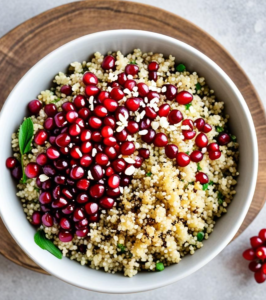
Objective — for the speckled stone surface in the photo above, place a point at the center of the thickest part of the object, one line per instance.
(240, 26)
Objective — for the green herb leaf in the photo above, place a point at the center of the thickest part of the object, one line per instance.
(159, 266)
(219, 129)
(181, 68)
(122, 248)
(233, 137)
(199, 167)
(25, 136)
(198, 86)
(220, 198)
(133, 62)
(148, 174)
(206, 185)
(36, 189)
(200, 236)
(187, 152)
(45, 244)
(56, 100)
(188, 106)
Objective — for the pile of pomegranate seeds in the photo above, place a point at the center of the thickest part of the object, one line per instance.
(91, 159)
(257, 256)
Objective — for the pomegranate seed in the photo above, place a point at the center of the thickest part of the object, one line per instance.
(103, 95)
(132, 104)
(184, 98)
(132, 127)
(50, 110)
(52, 153)
(110, 141)
(97, 172)
(202, 178)
(91, 90)
(262, 234)
(259, 276)
(125, 181)
(110, 152)
(215, 155)
(199, 123)
(86, 147)
(108, 62)
(78, 214)
(255, 242)
(84, 113)
(138, 161)
(62, 140)
(110, 121)
(66, 89)
(75, 152)
(68, 209)
(100, 111)
(82, 232)
(99, 148)
(46, 185)
(254, 266)
(115, 84)
(188, 134)
(127, 148)
(71, 116)
(80, 122)
(77, 173)
(83, 184)
(171, 91)
(81, 224)
(132, 69)
(130, 84)
(36, 218)
(119, 165)
(145, 153)
(150, 113)
(249, 254)
(59, 179)
(149, 137)
(160, 140)
(17, 172)
(114, 181)
(106, 202)
(122, 78)
(196, 156)
(151, 95)
(117, 94)
(101, 159)
(65, 236)
(85, 135)
(80, 101)
(164, 110)
(96, 136)
(188, 122)
(145, 124)
(49, 170)
(91, 208)
(107, 131)
(261, 252)
(40, 137)
(68, 106)
(207, 128)
(60, 120)
(61, 164)
(110, 104)
(113, 192)
(74, 130)
(34, 107)
(65, 223)
(143, 89)
(94, 218)
(95, 122)
(153, 66)
(11, 162)
(213, 147)
(264, 268)
(49, 124)
(32, 170)
(82, 198)
(122, 135)
(90, 78)
(171, 151)
(47, 220)
(52, 140)
(201, 140)
(123, 111)
(175, 117)
(109, 171)
(223, 139)
(182, 159)
(153, 76)
(97, 190)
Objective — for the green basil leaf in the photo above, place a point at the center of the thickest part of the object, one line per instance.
(41, 240)
(25, 136)
(188, 106)
(199, 167)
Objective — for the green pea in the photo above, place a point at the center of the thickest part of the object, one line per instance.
(159, 266)
(200, 236)
(181, 68)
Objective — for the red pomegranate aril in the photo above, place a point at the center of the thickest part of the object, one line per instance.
(68, 209)
(164, 110)
(52, 140)
(153, 76)
(113, 192)
(17, 172)
(82, 198)
(91, 208)
(84, 113)
(110, 104)
(182, 159)
(107, 131)
(199, 123)
(32, 170)
(52, 153)
(74, 130)
(34, 107)
(143, 89)
(109, 171)
(122, 78)
(90, 78)
(65, 236)
(254, 266)
(108, 62)
(83, 184)
(45, 198)
(50, 110)
(102, 96)
(77, 173)
(78, 214)
(95, 122)
(201, 140)
(101, 159)
(184, 97)
(66, 192)
(175, 117)
(132, 69)
(96, 136)
(93, 218)
(123, 111)
(36, 218)
(65, 223)
(151, 95)
(60, 179)
(97, 190)
(223, 139)
(188, 134)
(68, 106)
(213, 147)
(66, 89)
(207, 128)
(110, 152)
(122, 135)
(110, 121)
(127, 148)
(97, 172)
(60, 203)
(125, 181)
(106, 202)
(47, 220)
(249, 254)
(80, 122)
(264, 268)
(149, 137)
(132, 127)
(99, 148)
(86, 147)
(130, 84)
(49, 124)
(73, 162)
(11, 162)
(81, 224)
(138, 161)
(171, 151)
(63, 140)
(196, 156)
(61, 164)
(71, 116)
(150, 113)
(259, 276)
(119, 165)
(202, 178)
(80, 101)
(160, 140)
(171, 91)
(100, 111)
(255, 242)
(117, 94)
(153, 66)
(133, 104)
(85, 135)
(188, 122)
(75, 152)
(213, 155)
(40, 137)
(60, 120)
(113, 181)
(38, 182)
(145, 124)
(110, 141)
(262, 234)
(91, 90)
(145, 153)
(49, 170)
(85, 161)
(261, 252)
(46, 185)
(82, 232)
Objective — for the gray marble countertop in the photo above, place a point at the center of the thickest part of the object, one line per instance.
(240, 26)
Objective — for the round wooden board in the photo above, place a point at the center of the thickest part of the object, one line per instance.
(24, 46)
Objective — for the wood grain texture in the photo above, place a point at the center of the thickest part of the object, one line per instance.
(24, 46)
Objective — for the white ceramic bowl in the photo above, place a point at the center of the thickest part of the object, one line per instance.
(39, 78)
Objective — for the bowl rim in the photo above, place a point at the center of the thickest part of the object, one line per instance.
(229, 82)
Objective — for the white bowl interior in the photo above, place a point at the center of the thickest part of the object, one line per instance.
(39, 78)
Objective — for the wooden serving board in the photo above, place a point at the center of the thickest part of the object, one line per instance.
(24, 46)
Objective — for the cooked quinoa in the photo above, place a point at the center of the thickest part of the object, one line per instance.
(159, 216)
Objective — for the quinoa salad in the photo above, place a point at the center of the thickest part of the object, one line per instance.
(125, 163)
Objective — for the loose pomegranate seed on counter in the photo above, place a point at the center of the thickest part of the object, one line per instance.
(34, 107)
(108, 62)
(184, 98)
(262, 235)
(90, 78)
(255, 242)
(249, 254)
(11, 162)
